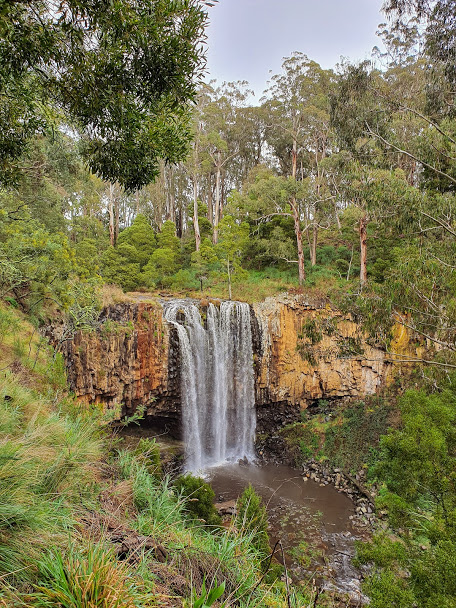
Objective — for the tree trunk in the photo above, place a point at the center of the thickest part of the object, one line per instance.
(294, 159)
(195, 214)
(229, 277)
(217, 201)
(313, 248)
(350, 264)
(363, 248)
(336, 213)
(296, 219)
(179, 220)
(170, 195)
(117, 218)
(210, 210)
(297, 227)
(111, 215)
(222, 195)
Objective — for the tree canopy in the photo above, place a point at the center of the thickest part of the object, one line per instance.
(120, 73)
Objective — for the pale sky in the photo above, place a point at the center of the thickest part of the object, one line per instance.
(247, 38)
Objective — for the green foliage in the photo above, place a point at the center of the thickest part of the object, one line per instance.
(233, 237)
(348, 438)
(141, 237)
(148, 452)
(9, 322)
(385, 589)
(164, 261)
(84, 305)
(204, 260)
(161, 266)
(34, 264)
(117, 267)
(44, 460)
(251, 519)
(167, 238)
(85, 578)
(199, 497)
(416, 465)
(207, 598)
(183, 280)
(418, 462)
(130, 113)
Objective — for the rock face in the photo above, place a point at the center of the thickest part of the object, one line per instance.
(309, 352)
(304, 352)
(131, 362)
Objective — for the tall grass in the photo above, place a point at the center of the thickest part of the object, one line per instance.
(46, 460)
(87, 578)
(160, 511)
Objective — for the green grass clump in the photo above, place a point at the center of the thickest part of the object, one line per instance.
(148, 452)
(251, 517)
(86, 577)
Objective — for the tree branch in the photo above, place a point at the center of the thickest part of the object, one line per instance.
(439, 222)
(410, 155)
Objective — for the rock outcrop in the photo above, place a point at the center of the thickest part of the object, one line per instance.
(131, 361)
(304, 352)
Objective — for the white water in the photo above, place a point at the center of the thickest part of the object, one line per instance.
(217, 383)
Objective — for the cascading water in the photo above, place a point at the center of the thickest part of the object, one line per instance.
(217, 383)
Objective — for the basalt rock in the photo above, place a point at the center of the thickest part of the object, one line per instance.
(308, 352)
(130, 362)
(304, 352)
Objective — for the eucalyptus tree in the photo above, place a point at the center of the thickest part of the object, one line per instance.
(298, 132)
(231, 140)
(269, 197)
(121, 73)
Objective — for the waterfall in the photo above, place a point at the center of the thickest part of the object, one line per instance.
(217, 383)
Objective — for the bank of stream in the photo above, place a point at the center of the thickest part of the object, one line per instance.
(315, 523)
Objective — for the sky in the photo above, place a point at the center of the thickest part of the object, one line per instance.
(247, 38)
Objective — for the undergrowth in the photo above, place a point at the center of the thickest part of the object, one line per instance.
(346, 438)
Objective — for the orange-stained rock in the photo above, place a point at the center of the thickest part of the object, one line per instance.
(303, 352)
(310, 352)
(127, 363)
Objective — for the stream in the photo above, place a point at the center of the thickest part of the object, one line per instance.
(313, 522)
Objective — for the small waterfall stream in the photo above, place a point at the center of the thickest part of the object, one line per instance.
(217, 381)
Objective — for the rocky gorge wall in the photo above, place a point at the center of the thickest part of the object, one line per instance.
(131, 361)
(310, 352)
(303, 352)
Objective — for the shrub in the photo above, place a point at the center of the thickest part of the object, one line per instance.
(200, 499)
(251, 518)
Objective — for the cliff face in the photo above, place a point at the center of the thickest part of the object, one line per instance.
(131, 361)
(309, 352)
(303, 352)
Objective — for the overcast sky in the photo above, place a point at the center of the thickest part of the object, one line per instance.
(247, 38)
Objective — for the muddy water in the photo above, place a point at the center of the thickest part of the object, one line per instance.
(311, 521)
